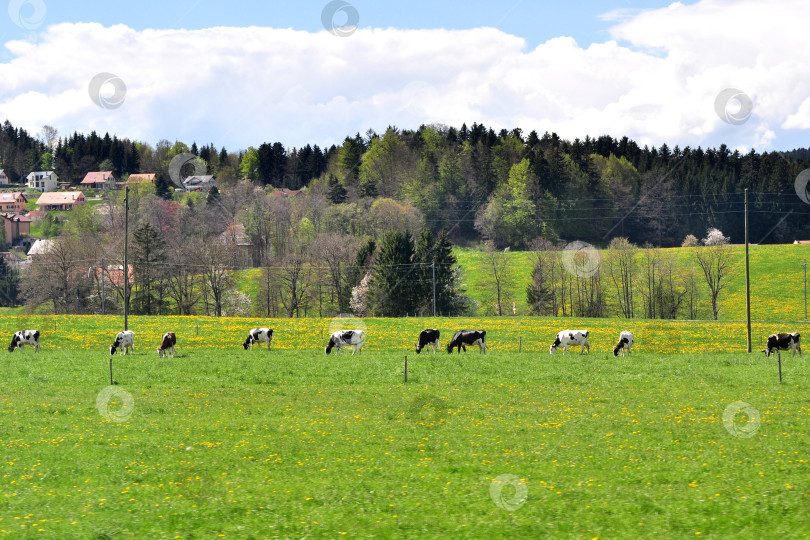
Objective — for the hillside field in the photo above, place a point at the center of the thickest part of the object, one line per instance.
(690, 436)
(777, 282)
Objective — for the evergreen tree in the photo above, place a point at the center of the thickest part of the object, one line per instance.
(9, 284)
(163, 188)
(435, 252)
(213, 195)
(148, 282)
(395, 281)
(336, 193)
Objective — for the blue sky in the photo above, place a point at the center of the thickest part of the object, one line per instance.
(535, 21)
(240, 74)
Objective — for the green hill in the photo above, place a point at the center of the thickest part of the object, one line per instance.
(777, 282)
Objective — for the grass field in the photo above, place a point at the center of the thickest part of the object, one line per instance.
(777, 285)
(219, 441)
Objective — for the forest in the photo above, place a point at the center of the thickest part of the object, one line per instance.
(358, 227)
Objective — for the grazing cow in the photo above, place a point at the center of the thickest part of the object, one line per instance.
(167, 345)
(341, 338)
(624, 344)
(23, 338)
(259, 335)
(123, 340)
(428, 338)
(783, 342)
(567, 338)
(462, 338)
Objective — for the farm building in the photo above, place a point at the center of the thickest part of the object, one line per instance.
(140, 178)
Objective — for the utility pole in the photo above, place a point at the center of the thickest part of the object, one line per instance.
(747, 276)
(434, 290)
(126, 259)
(805, 288)
(102, 286)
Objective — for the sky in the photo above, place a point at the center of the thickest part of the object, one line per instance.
(692, 73)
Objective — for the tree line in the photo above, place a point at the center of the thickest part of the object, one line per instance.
(477, 184)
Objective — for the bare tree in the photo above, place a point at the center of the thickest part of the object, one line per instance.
(716, 262)
(62, 276)
(215, 275)
(498, 263)
(294, 282)
(542, 291)
(620, 266)
(337, 251)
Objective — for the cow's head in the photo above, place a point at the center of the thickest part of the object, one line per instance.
(115, 345)
(15, 342)
(553, 348)
(330, 345)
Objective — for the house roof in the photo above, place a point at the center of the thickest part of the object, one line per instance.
(11, 197)
(40, 247)
(97, 177)
(141, 177)
(198, 179)
(44, 173)
(56, 197)
(16, 217)
(285, 192)
(11, 257)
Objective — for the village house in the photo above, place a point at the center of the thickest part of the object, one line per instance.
(12, 202)
(17, 226)
(42, 181)
(40, 248)
(60, 200)
(3, 177)
(199, 183)
(99, 180)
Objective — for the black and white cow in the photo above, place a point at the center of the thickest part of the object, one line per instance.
(463, 338)
(23, 338)
(343, 338)
(259, 335)
(167, 345)
(624, 344)
(428, 338)
(123, 340)
(568, 338)
(783, 342)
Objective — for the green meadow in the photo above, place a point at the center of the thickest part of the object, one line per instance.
(677, 440)
(777, 282)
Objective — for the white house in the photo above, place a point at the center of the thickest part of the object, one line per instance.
(3, 177)
(42, 181)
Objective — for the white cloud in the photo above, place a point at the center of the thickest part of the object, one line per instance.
(655, 82)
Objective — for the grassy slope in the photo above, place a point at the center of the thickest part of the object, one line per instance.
(292, 443)
(777, 286)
